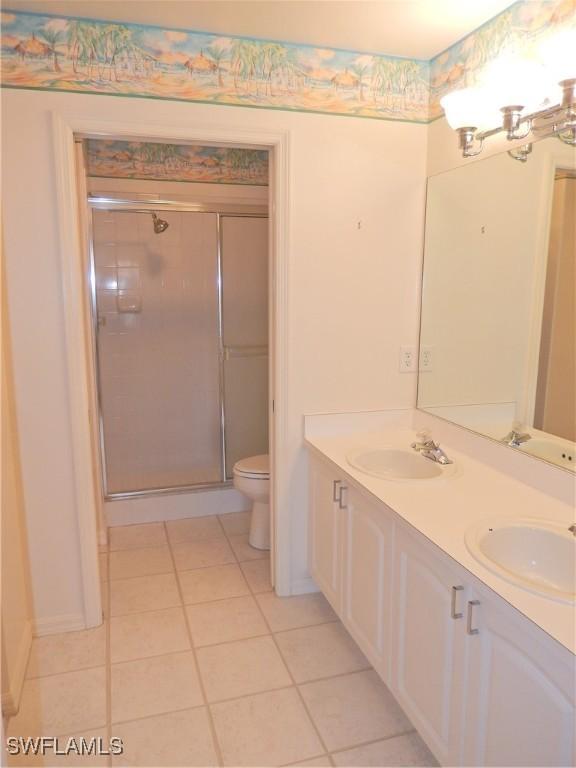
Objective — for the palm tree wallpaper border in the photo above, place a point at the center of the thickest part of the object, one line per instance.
(43, 52)
(158, 161)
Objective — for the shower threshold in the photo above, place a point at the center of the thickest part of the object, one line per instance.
(197, 487)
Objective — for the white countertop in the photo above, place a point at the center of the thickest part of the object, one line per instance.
(443, 510)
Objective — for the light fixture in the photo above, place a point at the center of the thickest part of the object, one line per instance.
(519, 97)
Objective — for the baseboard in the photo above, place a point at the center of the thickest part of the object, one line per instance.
(11, 697)
(174, 506)
(303, 586)
(72, 622)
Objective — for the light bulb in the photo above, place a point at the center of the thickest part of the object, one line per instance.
(515, 81)
(470, 108)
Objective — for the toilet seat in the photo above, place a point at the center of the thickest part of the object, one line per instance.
(256, 467)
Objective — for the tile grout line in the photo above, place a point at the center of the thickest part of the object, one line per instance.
(372, 741)
(298, 693)
(215, 741)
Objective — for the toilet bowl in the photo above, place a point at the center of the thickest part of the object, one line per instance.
(252, 478)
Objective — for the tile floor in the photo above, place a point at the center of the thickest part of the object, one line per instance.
(198, 663)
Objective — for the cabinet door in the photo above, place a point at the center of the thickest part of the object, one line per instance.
(428, 644)
(520, 697)
(325, 561)
(368, 532)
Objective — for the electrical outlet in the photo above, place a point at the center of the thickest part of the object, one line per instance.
(407, 359)
(426, 358)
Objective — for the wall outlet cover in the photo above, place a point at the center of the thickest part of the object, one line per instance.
(408, 359)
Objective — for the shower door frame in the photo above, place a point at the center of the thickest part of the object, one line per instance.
(145, 205)
(67, 126)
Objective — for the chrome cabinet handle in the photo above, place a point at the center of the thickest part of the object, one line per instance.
(340, 502)
(335, 495)
(471, 604)
(453, 613)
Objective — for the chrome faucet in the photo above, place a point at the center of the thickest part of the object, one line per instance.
(429, 449)
(516, 437)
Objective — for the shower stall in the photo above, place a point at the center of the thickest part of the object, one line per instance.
(180, 309)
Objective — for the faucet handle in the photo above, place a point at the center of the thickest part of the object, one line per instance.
(424, 435)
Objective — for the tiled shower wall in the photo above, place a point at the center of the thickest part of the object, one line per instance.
(158, 349)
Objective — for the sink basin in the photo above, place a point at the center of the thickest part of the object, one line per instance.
(538, 555)
(561, 454)
(397, 464)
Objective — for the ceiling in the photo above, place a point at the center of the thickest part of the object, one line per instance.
(414, 28)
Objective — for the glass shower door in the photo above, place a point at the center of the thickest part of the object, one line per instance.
(244, 255)
(158, 344)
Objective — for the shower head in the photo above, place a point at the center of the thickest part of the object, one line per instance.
(159, 224)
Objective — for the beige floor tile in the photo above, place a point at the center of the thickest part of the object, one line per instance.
(67, 652)
(216, 583)
(225, 620)
(240, 668)
(201, 554)
(243, 551)
(406, 750)
(143, 593)
(194, 529)
(321, 651)
(351, 709)
(147, 561)
(51, 760)
(315, 761)
(266, 729)
(175, 739)
(284, 613)
(66, 703)
(136, 536)
(235, 522)
(257, 573)
(152, 686)
(140, 635)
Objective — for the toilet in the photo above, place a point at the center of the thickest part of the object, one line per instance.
(252, 478)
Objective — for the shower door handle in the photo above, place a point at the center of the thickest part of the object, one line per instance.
(101, 321)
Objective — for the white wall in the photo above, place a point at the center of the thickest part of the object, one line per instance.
(355, 237)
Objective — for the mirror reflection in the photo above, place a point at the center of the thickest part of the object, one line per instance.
(498, 327)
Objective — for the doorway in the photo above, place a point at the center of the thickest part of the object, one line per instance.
(67, 129)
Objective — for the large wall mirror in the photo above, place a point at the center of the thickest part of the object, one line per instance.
(497, 341)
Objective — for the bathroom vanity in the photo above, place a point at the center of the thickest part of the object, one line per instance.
(457, 580)
(483, 667)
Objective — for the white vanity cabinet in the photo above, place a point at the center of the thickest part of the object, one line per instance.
(325, 537)
(519, 707)
(367, 576)
(427, 642)
(482, 684)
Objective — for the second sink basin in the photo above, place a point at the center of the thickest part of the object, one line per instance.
(397, 464)
(538, 555)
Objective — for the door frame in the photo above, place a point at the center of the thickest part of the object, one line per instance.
(79, 358)
(528, 391)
